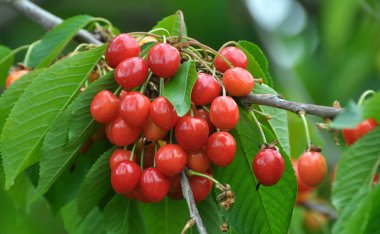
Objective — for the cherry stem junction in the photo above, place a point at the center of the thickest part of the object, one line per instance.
(306, 127)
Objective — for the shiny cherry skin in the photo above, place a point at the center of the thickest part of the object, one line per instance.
(163, 113)
(205, 90)
(164, 60)
(125, 177)
(134, 109)
(120, 134)
(105, 107)
(312, 168)
(191, 133)
(170, 159)
(224, 113)
(154, 184)
(120, 48)
(118, 156)
(221, 148)
(152, 131)
(238, 81)
(131, 73)
(202, 113)
(149, 153)
(15, 75)
(268, 166)
(200, 186)
(175, 190)
(301, 186)
(234, 55)
(352, 135)
(198, 161)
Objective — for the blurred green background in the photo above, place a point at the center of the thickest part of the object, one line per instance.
(319, 51)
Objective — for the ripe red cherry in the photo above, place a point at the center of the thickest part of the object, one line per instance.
(202, 113)
(353, 134)
(171, 159)
(131, 73)
(163, 113)
(268, 166)
(164, 60)
(152, 131)
(198, 161)
(312, 168)
(234, 55)
(238, 81)
(120, 134)
(191, 133)
(154, 184)
(224, 113)
(134, 109)
(125, 177)
(120, 48)
(205, 90)
(200, 186)
(118, 156)
(175, 190)
(15, 75)
(301, 186)
(105, 107)
(221, 148)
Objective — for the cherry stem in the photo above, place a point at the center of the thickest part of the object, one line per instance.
(191, 112)
(155, 152)
(18, 49)
(190, 172)
(145, 84)
(265, 115)
(364, 96)
(145, 34)
(142, 157)
(302, 114)
(181, 25)
(229, 43)
(206, 109)
(258, 126)
(188, 225)
(159, 29)
(133, 151)
(171, 136)
(164, 39)
(162, 83)
(103, 20)
(117, 91)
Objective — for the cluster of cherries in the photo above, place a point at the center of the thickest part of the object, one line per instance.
(147, 120)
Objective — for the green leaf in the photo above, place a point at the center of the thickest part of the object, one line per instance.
(172, 24)
(43, 52)
(95, 185)
(268, 210)
(145, 49)
(373, 225)
(41, 103)
(210, 215)
(349, 118)
(6, 60)
(356, 169)
(178, 90)
(123, 216)
(371, 108)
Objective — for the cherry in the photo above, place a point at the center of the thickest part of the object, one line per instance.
(120, 48)
(198, 161)
(205, 90)
(312, 168)
(139, 195)
(134, 109)
(221, 148)
(238, 81)
(125, 176)
(191, 133)
(152, 131)
(202, 113)
(105, 106)
(15, 75)
(118, 156)
(164, 60)
(154, 184)
(175, 190)
(149, 153)
(268, 166)
(353, 134)
(234, 55)
(171, 159)
(163, 113)
(200, 187)
(224, 113)
(301, 186)
(94, 75)
(120, 134)
(131, 73)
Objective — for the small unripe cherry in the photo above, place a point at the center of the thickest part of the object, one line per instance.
(163, 113)
(312, 168)
(164, 60)
(268, 166)
(238, 82)
(15, 75)
(205, 89)
(170, 159)
(354, 134)
(191, 133)
(120, 48)
(105, 106)
(118, 156)
(198, 161)
(221, 148)
(134, 109)
(125, 177)
(224, 113)
(234, 55)
(131, 73)
(120, 134)
(154, 184)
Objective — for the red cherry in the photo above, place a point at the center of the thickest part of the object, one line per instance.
(154, 184)
(125, 177)
(105, 107)
(149, 152)
(312, 168)
(152, 131)
(301, 186)
(175, 190)
(134, 109)
(171, 159)
(198, 161)
(120, 134)
(118, 156)
(164, 60)
(163, 113)
(15, 75)
(131, 73)
(221, 148)
(234, 55)
(200, 186)
(202, 113)
(353, 134)
(238, 81)
(120, 48)
(205, 90)
(224, 113)
(130, 195)
(191, 133)
(268, 166)
(139, 195)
